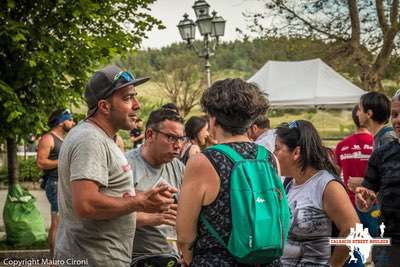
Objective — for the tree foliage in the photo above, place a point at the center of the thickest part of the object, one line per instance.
(176, 71)
(48, 48)
(243, 58)
(363, 33)
(182, 81)
(240, 58)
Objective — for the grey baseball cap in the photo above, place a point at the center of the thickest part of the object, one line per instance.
(105, 82)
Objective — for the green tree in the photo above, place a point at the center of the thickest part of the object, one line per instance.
(47, 50)
(363, 33)
(181, 80)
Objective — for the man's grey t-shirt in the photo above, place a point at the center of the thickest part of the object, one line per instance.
(88, 153)
(153, 239)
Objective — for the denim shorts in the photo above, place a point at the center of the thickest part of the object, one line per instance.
(51, 193)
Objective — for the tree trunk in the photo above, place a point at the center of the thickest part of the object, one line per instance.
(12, 162)
(371, 81)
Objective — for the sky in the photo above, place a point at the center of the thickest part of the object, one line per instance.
(170, 12)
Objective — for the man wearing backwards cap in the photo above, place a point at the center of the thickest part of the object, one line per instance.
(96, 193)
(60, 122)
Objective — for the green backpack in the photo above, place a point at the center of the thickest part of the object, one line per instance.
(259, 207)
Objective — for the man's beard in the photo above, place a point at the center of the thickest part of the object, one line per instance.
(66, 128)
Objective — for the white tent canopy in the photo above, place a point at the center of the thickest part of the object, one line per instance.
(302, 84)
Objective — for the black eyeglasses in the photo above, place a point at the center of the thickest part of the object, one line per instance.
(173, 139)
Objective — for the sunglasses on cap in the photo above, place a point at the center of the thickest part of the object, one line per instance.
(123, 75)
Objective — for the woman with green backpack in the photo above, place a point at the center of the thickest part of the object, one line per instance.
(317, 199)
(232, 210)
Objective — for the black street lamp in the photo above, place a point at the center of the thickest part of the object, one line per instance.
(210, 27)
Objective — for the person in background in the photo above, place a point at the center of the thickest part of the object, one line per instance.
(96, 195)
(352, 155)
(196, 130)
(60, 122)
(137, 135)
(313, 196)
(210, 141)
(32, 143)
(261, 133)
(153, 163)
(373, 114)
(382, 183)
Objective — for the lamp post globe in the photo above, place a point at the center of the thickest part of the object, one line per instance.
(211, 28)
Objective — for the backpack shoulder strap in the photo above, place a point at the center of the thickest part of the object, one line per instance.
(227, 151)
(262, 153)
(211, 230)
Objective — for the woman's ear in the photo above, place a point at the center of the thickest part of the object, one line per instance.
(296, 153)
(213, 126)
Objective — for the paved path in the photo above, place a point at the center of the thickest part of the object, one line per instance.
(41, 202)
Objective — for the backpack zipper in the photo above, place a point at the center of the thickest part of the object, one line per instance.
(280, 216)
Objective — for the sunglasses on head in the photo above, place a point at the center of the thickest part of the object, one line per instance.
(293, 124)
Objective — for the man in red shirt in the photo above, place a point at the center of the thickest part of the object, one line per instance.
(352, 155)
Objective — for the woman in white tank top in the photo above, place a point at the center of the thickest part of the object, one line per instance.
(316, 198)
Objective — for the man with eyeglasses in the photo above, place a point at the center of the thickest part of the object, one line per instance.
(59, 122)
(154, 163)
(97, 199)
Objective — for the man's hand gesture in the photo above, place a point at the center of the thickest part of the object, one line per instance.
(365, 198)
(157, 199)
(167, 217)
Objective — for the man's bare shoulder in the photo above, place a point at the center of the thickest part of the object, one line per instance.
(46, 140)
